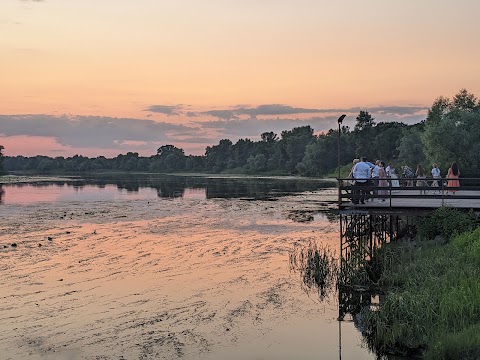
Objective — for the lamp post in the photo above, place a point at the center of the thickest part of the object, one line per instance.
(340, 119)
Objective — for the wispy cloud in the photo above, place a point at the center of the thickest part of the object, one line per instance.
(165, 109)
(91, 131)
(274, 109)
(398, 110)
(253, 127)
(236, 112)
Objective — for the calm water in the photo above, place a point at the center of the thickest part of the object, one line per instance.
(152, 187)
(166, 268)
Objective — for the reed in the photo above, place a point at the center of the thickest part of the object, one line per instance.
(317, 265)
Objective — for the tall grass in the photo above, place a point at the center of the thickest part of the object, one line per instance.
(432, 303)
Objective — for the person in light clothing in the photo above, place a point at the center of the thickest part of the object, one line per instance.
(436, 175)
(382, 182)
(393, 175)
(361, 174)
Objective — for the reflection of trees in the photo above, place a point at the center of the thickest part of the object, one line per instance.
(170, 186)
(171, 189)
(258, 188)
(2, 192)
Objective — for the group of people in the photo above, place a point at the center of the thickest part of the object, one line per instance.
(365, 173)
(453, 175)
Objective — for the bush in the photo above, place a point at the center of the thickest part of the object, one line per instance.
(446, 222)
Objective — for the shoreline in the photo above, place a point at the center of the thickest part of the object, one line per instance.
(17, 179)
(14, 179)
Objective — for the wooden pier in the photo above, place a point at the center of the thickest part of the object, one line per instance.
(411, 198)
(390, 216)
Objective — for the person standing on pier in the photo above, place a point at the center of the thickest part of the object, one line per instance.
(420, 174)
(436, 175)
(408, 175)
(393, 175)
(376, 176)
(453, 175)
(382, 182)
(361, 174)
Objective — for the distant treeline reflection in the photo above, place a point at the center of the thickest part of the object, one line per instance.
(175, 186)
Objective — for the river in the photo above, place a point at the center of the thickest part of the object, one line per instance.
(167, 267)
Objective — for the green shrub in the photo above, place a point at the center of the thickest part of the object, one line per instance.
(446, 221)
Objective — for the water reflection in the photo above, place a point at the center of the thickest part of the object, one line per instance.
(321, 271)
(151, 186)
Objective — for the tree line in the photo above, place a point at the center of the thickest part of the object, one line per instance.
(449, 133)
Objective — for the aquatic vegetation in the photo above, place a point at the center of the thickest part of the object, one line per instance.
(317, 265)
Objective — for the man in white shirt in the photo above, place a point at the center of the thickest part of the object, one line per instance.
(361, 174)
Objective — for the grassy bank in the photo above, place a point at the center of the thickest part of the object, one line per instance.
(432, 301)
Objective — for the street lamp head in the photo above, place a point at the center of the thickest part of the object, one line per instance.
(340, 119)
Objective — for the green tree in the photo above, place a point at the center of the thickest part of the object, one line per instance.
(440, 106)
(165, 150)
(364, 121)
(451, 132)
(257, 163)
(195, 163)
(411, 150)
(240, 152)
(364, 134)
(465, 101)
(131, 164)
(320, 155)
(386, 140)
(269, 137)
(293, 145)
(170, 158)
(217, 156)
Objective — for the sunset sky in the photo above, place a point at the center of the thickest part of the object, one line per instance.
(104, 77)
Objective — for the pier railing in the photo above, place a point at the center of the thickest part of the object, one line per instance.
(350, 193)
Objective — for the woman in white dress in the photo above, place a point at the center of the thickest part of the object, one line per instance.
(394, 177)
